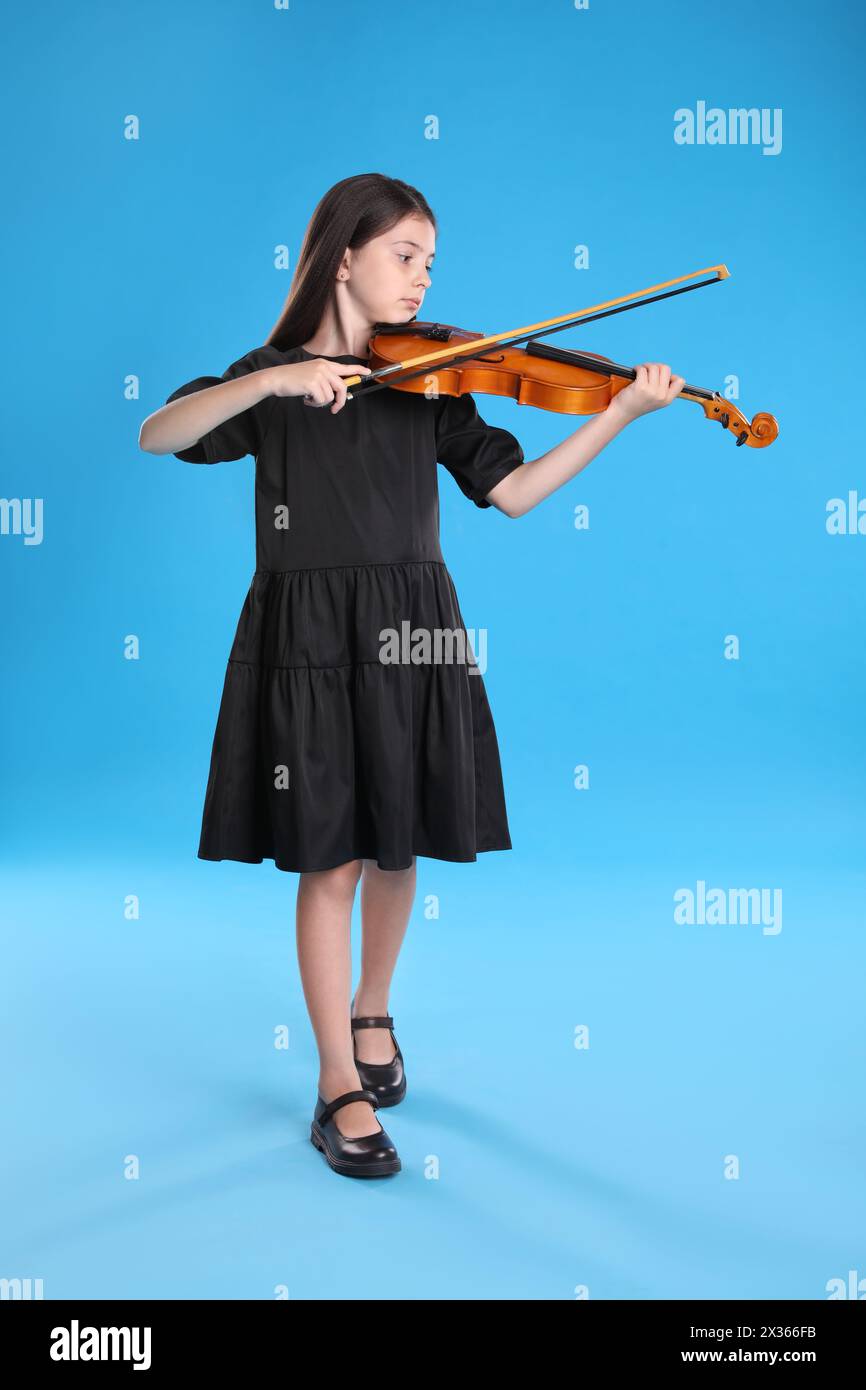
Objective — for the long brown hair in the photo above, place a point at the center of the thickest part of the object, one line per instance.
(350, 214)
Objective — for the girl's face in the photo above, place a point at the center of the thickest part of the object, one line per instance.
(392, 270)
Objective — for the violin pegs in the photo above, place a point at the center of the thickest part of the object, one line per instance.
(761, 432)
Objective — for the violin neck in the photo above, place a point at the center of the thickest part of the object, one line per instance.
(595, 364)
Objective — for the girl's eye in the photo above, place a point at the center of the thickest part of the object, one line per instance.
(404, 257)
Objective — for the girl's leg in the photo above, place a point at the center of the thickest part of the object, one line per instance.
(323, 925)
(386, 902)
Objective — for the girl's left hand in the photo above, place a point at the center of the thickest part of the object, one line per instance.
(652, 388)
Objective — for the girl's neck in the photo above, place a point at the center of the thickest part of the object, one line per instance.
(335, 352)
(333, 339)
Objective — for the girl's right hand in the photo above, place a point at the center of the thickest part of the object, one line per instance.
(319, 381)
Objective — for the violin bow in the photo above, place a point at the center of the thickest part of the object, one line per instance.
(512, 336)
(762, 431)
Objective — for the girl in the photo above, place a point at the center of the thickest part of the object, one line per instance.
(330, 757)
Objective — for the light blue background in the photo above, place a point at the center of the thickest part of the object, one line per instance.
(154, 258)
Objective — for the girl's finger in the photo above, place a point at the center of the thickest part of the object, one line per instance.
(320, 395)
(334, 384)
(342, 369)
(350, 368)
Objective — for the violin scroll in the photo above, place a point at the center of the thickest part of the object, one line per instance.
(762, 431)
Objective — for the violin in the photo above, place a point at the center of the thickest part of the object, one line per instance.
(550, 378)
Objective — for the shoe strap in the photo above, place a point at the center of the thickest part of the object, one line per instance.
(345, 1099)
(381, 1021)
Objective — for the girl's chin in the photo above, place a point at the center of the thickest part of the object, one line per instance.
(407, 314)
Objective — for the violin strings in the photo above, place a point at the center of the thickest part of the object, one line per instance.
(579, 359)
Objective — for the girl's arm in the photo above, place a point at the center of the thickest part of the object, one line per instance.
(177, 426)
(181, 423)
(652, 388)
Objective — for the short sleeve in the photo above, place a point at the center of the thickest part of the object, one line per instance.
(243, 433)
(477, 455)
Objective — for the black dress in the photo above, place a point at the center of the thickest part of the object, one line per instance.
(325, 750)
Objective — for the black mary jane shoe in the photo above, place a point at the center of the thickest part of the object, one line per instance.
(369, 1156)
(387, 1080)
